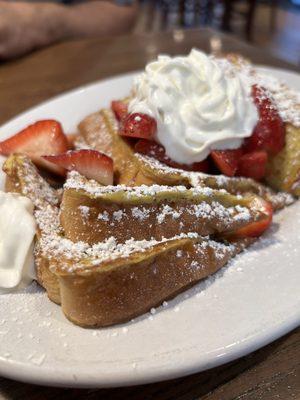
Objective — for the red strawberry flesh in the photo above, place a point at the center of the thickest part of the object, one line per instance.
(253, 165)
(269, 133)
(257, 228)
(138, 125)
(42, 137)
(226, 160)
(120, 109)
(90, 163)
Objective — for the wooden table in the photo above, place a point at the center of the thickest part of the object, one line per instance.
(270, 373)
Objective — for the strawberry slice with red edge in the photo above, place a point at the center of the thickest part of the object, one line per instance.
(120, 109)
(42, 137)
(157, 151)
(138, 125)
(39, 138)
(227, 161)
(253, 165)
(269, 133)
(90, 163)
(257, 228)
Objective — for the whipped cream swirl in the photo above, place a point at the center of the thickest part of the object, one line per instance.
(198, 107)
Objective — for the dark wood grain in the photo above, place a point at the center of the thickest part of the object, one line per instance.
(270, 373)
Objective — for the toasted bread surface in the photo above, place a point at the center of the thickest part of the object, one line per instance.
(147, 213)
(109, 294)
(283, 170)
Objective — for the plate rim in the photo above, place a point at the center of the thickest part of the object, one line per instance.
(28, 373)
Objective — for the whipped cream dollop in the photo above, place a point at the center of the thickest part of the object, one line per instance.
(17, 231)
(197, 106)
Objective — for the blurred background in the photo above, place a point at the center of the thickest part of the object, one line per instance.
(271, 24)
(31, 24)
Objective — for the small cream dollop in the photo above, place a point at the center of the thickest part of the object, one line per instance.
(17, 231)
(197, 106)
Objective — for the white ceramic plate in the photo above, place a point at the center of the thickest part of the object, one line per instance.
(246, 305)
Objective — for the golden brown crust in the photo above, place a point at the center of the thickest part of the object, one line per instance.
(283, 171)
(164, 175)
(45, 277)
(119, 294)
(176, 211)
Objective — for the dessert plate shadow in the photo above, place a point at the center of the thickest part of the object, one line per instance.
(249, 303)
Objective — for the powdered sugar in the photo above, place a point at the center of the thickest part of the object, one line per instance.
(223, 183)
(140, 213)
(167, 210)
(85, 211)
(118, 215)
(78, 182)
(72, 256)
(103, 216)
(34, 186)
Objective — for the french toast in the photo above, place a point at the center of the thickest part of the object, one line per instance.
(116, 291)
(149, 271)
(91, 213)
(74, 273)
(128, 228)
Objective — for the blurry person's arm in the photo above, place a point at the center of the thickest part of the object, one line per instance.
(27, 26)
(95, 18)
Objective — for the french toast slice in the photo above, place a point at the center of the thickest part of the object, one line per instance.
(115, 291)
(91, 212)
(23, 177)
(111, 282)
(165, 175)
(283, 170)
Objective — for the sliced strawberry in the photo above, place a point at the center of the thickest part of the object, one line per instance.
(90, 163)
(50, 167)
(139, 126)
(37, 139)
(120, 109)
(157, 151)
(42, 137)
(255, 229)
(253, 165)
(227, 160)
(269, 133)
